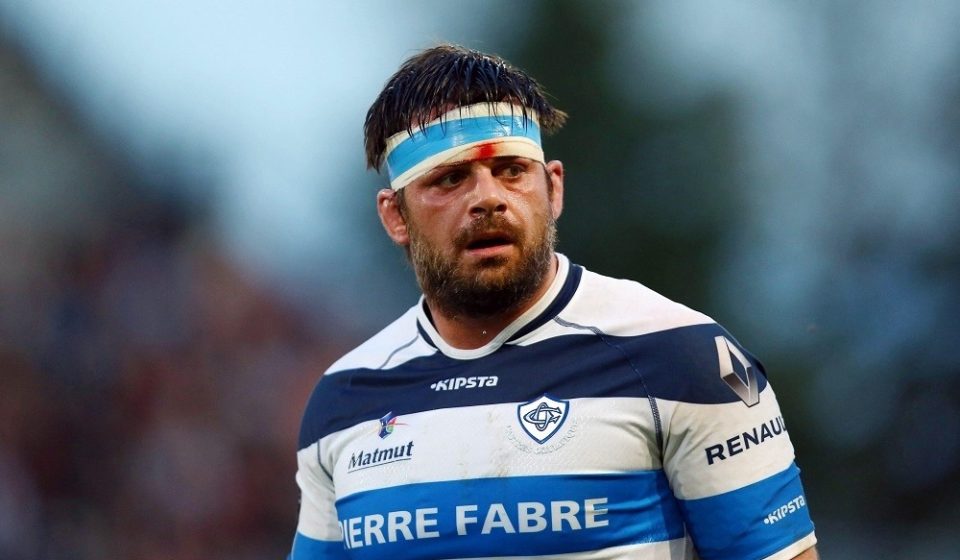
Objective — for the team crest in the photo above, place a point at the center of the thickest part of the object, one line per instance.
(542, 417)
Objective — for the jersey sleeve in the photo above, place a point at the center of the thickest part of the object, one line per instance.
(729, 459)
(318, 534)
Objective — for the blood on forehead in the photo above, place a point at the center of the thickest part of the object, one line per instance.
(484, 151)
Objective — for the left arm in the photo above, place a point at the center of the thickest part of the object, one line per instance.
(730, 461)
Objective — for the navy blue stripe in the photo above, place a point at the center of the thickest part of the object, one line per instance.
(752, 522)
(679, 364)
(423, 332)
(535, 515)
(682, 364)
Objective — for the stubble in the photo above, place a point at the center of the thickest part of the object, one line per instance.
(492, 285)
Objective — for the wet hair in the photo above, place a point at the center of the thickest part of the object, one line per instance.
(444, 77)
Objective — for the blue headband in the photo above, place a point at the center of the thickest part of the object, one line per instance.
(463, 134)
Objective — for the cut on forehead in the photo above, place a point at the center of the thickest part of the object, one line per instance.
(445, 77)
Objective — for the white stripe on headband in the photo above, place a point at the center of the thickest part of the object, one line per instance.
(464, 134)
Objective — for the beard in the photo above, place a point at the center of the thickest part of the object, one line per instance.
(494, 284)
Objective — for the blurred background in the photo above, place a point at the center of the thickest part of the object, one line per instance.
(188, 239)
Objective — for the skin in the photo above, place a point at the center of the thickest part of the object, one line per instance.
(451, 198)
(447, 200)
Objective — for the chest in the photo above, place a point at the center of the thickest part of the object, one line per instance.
(535, 455)
(514, 475)
(547, 435)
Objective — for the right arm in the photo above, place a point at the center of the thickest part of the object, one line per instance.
(318, 532)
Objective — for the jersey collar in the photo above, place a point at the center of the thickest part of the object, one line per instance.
(550, 304)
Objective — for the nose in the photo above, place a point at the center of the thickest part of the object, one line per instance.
(488, 193)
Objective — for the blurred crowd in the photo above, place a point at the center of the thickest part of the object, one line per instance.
(150, 398)
(789, 170)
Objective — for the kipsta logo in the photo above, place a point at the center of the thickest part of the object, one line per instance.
(388, 423)
(542, 417)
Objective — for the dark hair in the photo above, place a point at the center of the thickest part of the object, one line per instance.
(447, 76)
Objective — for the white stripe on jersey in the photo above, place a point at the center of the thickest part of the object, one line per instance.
(714, 448)
(600, 435)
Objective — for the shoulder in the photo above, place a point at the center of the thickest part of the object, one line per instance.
(680, 353)
(394, 343)
(620, 307)
(326, 410)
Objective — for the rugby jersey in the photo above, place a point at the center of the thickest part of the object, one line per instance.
(606, 422)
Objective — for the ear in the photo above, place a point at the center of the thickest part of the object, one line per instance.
(393, 221)
(555, 175)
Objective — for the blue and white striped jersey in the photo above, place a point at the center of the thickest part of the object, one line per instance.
(607, 422)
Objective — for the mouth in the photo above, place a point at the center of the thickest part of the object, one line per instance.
(489, 243)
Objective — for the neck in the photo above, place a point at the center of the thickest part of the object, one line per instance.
(468, 332)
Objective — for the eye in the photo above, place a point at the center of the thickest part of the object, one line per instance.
(449, 180)
(513, 170)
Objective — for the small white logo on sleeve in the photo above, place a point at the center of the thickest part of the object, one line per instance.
(786, 509)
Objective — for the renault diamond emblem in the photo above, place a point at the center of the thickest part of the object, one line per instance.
(542, 417)
(745, 387)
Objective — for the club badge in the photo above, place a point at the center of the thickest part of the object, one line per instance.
(542, 417)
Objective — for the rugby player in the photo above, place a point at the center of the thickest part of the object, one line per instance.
(526, 406)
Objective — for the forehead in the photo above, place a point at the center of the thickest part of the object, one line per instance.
(468, 162)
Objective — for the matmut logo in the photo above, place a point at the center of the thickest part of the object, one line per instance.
(454, 383)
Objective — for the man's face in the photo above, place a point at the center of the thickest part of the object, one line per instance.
(480, 235)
